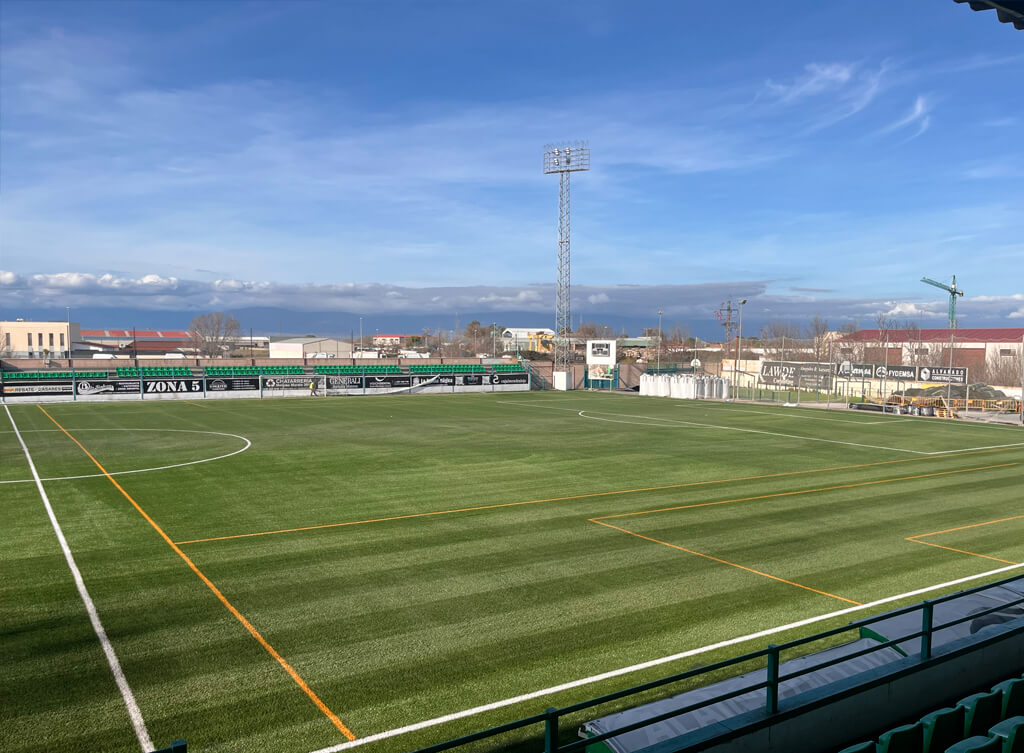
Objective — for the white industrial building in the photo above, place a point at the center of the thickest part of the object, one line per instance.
(310, 347)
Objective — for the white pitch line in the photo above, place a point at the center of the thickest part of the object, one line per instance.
(749, 431)
(653, 663)
(778, 414)
(141, 733)
(676, 421)
(248, 444)
(989, 447)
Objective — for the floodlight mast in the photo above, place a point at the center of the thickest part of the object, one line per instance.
(564, 159)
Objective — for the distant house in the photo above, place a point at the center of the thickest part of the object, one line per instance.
(635, 347)
(392, 341)
(22, 339)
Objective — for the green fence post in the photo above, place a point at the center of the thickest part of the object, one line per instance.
(551, 730)
(772, 691)
(926, 630)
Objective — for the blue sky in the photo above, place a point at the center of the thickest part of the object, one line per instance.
(385, 157)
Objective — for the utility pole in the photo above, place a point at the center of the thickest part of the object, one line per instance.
(739, 348)
(724, 316)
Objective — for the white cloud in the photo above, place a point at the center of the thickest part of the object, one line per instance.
(816, 79)
(598, 298)
(918, 115)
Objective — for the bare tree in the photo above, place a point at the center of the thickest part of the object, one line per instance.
(817, 333)
(476, 334)
(212, 334)
(914, 341)
(782, 341)
(593, 330)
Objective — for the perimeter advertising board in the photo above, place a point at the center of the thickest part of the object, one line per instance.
(906, 373)
(850, 370)
(290, 382)
(388, 381)
(165, 386)
(106, 386)
(811, 376)
(233, 384)
(512, 377)
(53, 388)
(943, 374)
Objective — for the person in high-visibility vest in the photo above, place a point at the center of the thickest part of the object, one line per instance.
(312, 388)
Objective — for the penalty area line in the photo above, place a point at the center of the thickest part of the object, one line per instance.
(141, 733)
(653, 663)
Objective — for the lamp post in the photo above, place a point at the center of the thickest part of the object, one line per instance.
(739, 344)
(660, 312)
(360, 336)
(68, 352)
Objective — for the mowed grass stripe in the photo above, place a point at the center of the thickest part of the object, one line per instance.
(617, 492)
(220, 596)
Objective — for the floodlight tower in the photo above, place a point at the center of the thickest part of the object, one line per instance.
(563, 160)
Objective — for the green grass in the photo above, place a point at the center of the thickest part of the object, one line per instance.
(399, 621)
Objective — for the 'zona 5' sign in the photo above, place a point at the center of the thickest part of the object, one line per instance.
(160, 386)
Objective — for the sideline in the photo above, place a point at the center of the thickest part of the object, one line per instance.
(141, 733)
(653, 663)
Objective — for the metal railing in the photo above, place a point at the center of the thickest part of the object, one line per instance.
(770, 655)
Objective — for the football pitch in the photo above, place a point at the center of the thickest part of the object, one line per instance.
(294, 575)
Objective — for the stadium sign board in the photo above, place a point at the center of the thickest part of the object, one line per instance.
(943, 374)
(233, 384)
(815, 376)
(164, 386)
(600, 359)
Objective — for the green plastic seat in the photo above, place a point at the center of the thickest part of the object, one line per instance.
(982, 711)
(977, 744)
(943, 728)
(906, 739)
(867, 747)
(1013, 697)
(1011, 732)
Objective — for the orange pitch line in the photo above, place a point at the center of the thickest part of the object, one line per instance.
(560, 499)
(216, 591)
(724, 562)
(917, 539)
(802, 491)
